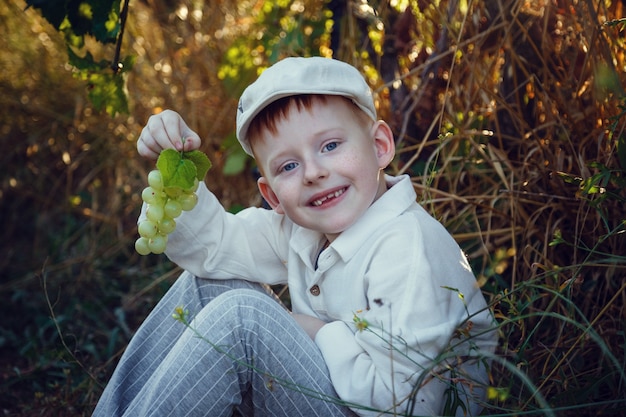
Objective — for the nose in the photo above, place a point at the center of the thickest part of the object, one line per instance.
(314, 171)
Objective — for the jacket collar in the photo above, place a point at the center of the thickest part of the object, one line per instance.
(395, 201)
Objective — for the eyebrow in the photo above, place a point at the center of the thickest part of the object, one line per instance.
(275, 161)
(331, 131)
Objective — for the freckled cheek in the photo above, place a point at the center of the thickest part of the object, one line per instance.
(357, 167)
(287, 193)
(348, 162)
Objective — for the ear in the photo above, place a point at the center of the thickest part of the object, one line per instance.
(269, 195)
(384, 143)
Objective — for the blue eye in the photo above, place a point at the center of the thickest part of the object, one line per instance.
(289, 166)
(330, 146)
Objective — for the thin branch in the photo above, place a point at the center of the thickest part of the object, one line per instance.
(116, 66)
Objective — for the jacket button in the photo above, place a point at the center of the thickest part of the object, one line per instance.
(315, 290)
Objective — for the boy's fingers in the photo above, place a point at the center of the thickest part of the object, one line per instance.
(189, 139)
(166, 130)
(170, 131)
(146, 145)
(145, 151)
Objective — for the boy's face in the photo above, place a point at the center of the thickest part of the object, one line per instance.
(323, 167)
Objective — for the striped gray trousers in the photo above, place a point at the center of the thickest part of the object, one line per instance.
(240, 354)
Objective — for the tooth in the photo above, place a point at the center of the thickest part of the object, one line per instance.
(320, 201)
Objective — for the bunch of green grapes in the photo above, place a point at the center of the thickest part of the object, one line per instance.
(163, 207)
(171, 190)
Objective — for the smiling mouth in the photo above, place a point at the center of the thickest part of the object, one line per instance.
(318, 202)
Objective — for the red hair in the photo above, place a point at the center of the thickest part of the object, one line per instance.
(268, 118)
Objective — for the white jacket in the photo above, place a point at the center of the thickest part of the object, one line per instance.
(396, 270)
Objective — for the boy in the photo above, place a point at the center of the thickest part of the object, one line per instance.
(378, 288)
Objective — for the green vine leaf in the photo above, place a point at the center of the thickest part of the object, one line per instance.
(176, 170)
(102, 20)
(201, 161)
(181, 169)
(98, 18)
(106, 89)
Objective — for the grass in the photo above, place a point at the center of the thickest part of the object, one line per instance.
(513, 143)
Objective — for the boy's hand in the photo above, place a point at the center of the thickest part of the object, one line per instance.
(164, 131)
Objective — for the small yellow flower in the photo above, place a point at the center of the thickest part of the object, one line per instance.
(361, 324)
(180, 314)
(500, 394)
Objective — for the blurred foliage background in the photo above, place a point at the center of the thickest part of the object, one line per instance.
(509, 117)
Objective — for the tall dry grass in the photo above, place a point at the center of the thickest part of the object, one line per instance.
(508, 123)
(518, 158)
(74, 288)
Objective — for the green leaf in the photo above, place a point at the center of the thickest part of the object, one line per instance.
(235, 163)
(568, 178)
(201, 161)
(106, 89)
(176, 170)
(107, 92)
(84, 62)
(180, 169)
(53, 10)
(105, 26)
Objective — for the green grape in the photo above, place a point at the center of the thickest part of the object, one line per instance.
(155, 212)
(151, 196)
(147, 228)
(194, 187)
(188, 201)
(173, 191)
(141, 246)
(155, 179)
(167, 225)
(157, 243)
(172, 208)
(165, 203)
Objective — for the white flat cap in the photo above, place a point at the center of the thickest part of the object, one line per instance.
(294, 76)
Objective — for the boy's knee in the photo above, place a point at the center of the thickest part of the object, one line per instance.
(245, 298)
(239, 315)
